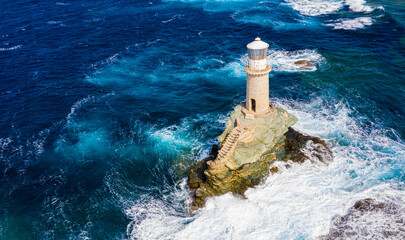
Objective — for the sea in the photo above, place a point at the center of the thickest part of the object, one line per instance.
(104, 105)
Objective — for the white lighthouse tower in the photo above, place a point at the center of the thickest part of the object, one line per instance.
(257, 103)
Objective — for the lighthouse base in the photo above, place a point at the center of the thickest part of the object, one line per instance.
(253, 115)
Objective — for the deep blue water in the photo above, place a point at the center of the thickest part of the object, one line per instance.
(104, 106)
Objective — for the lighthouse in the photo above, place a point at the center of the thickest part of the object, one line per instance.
(257, 103)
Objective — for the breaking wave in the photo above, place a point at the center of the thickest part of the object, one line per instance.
(321, 7)
(351, 24)
(290, 61)
(362, 6)
(315, 7)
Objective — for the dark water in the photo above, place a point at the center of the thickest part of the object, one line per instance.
(104, 106)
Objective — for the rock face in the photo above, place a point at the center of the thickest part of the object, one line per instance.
(304, 64)
(370, 219)
(248, 148)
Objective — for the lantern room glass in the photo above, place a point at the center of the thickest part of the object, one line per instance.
(257, 54)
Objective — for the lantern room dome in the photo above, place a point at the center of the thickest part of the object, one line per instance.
(257, 44)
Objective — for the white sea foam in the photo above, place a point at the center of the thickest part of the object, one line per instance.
(351, 24)
(38, 144)
(148, 206)
(285, 61)
(177, 16)
(77, 106)
(315, 7)
(299, 202)
(361, 6)
(11, 48)
(14, 153)
(320, 7)
(113, 58)
(4, 142)
(384, 219)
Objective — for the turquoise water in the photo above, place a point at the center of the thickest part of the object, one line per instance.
(104, 106)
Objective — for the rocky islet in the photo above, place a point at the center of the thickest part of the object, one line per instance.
(247, 151)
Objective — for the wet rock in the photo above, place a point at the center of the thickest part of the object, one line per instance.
(369, 204)
(304, 64)
(370, 219)
(182, 164)
(196, 173)
(316, 148)
(274, 170)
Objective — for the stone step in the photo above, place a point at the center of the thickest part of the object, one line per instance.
(230, 143)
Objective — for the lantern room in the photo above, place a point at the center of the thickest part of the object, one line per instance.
(257, 51)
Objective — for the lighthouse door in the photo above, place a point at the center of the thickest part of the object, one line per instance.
(253, 104)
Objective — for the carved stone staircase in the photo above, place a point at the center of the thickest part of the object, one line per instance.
(228, 147)
(229, 143)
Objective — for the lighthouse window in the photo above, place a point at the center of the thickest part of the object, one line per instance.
(253, 104)
(257, 54)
